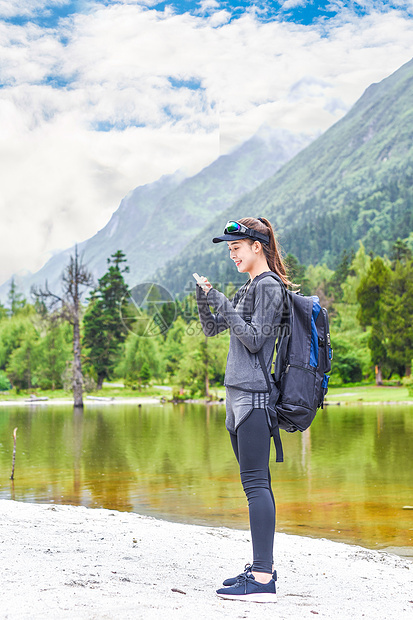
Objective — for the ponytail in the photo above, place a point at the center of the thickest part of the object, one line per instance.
(271, 250)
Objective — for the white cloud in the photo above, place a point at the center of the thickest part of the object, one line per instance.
(149, 3)
(27, 54)
(292, 4)
(219, 18)
(208, 5)
(169, 90)
(27, 8)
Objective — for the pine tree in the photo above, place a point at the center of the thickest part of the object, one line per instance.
(370, 294)
(16, 299)
(104, 327)
(397, 317)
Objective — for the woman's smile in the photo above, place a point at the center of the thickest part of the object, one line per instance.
(242, 254)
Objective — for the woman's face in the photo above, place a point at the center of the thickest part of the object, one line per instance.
(243, 254)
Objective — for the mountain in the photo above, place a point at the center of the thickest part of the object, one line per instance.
(155, 221)
(354, 183)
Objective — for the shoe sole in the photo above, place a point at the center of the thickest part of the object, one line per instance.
(258, 597)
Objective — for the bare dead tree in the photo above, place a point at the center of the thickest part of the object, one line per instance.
(67, 306)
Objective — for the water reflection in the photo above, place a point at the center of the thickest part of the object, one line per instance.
(348, 478)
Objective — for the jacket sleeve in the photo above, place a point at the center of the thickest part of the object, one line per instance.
(265, 316)
(212, 324)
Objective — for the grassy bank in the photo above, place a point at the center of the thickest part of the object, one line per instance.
(107, 391)
(343, 395)
(368, 394)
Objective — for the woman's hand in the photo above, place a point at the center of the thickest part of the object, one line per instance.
(204, 284)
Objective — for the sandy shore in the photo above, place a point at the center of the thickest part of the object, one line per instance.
(73, 562)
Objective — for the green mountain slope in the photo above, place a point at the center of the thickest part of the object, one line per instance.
(353, 183)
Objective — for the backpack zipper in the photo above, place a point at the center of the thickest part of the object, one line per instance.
(300, 367)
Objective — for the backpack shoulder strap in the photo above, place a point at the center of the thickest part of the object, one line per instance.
(284, 334)
(265, 274)
(280, 359)
(261, 276)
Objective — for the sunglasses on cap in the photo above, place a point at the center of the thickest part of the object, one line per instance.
(235, 228)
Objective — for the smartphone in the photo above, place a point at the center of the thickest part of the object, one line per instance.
(197, 278)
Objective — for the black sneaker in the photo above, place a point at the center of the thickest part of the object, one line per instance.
(248, 589)
(231, 581)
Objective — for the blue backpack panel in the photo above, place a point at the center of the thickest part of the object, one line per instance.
(301, 366)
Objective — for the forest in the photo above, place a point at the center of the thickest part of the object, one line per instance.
(100, 331)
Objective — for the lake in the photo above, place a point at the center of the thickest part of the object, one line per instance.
(348, 478)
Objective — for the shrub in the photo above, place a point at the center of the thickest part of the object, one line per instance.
(4, 382)
(408, 382)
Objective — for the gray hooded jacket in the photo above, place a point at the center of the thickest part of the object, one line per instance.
(252, 317)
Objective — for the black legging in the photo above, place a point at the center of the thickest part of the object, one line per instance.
(251, 445)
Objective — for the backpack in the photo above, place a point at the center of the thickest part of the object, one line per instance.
(301, 365)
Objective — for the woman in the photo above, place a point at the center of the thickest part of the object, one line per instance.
(251, 318)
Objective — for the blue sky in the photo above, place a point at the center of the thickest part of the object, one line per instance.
(97, 98)
(297, 11)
